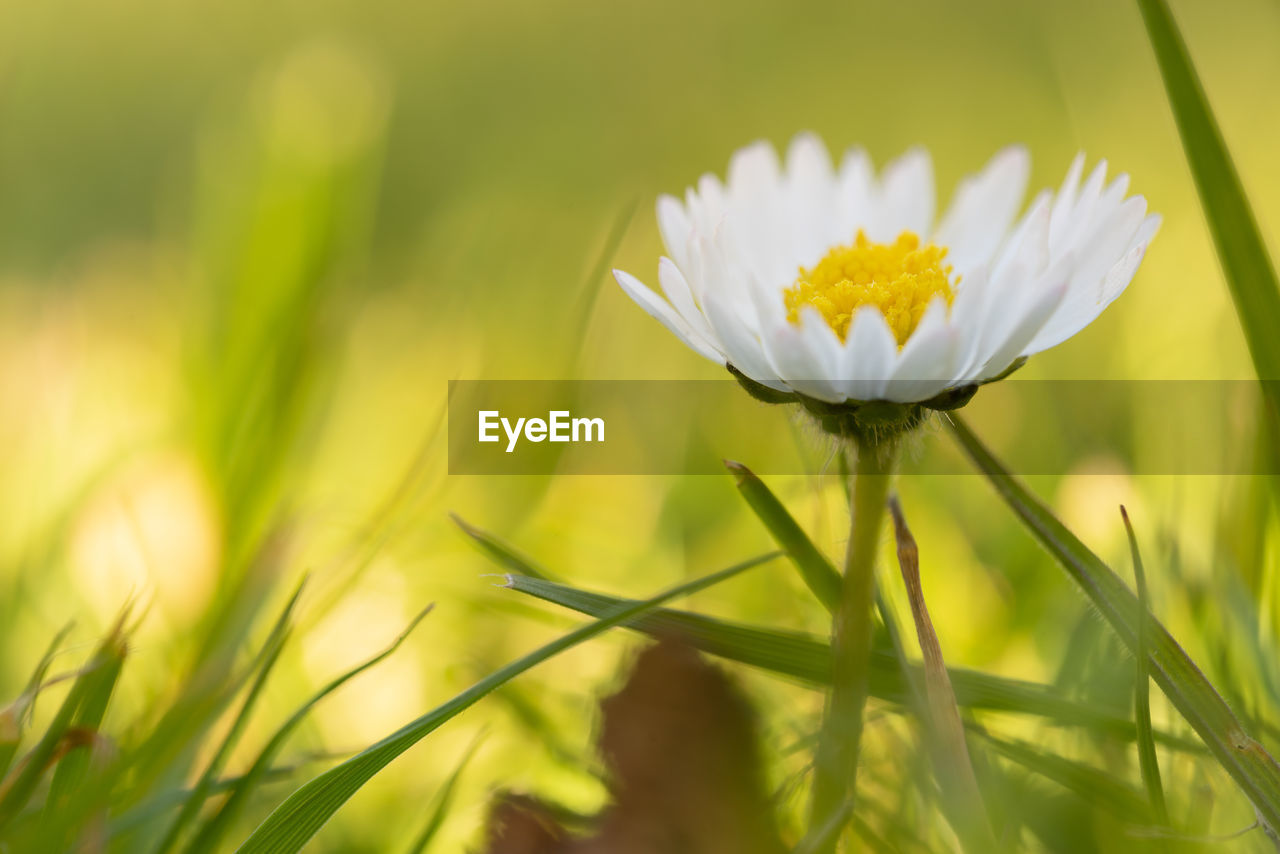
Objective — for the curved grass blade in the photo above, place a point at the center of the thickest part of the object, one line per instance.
(390, 516)
(213, 831)
(143, 814)
(816, 570)
(590, 288)
(808, 659)
(526, 709)
(15, 716)
(1248, 763)
(70, 801)
(1147, 761)
(443, 800)
(267, 659)
(1094, 786)
(498, 551)
(16, 790)
(292, 824)
(1241, 249)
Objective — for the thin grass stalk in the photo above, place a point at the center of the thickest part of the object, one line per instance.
(1147, 760)
(816, 571)
(443, 801)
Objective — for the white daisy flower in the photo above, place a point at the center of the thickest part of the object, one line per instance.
(838, 286)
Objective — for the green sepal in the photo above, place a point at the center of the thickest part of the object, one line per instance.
(761, 392)
(952, 398)
(868, 421)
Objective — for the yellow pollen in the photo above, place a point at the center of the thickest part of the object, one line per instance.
(899, 278)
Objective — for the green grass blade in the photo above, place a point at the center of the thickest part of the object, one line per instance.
(14, 716)
(86, 723)
(1094, 786)
(794, 654)
(543, 728)
(17, 789)
(265, 664)
(1147, 761)
(307, 810)
(590, 290)
(146, 812)
(498, 551)
(444, 799)
(75, 800)
(213, 831)
(1248, 763)
(808, 659)
(816, 570)
(1241, 250)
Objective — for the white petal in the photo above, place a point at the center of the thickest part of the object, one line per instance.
(856, 195)
(726, 271)
(1020, 245)
(757, 207)
(1063, 325)
(1108, 238)
(663, 312)
(805, 355)
(1091, 286)
(674, 226)
(988, 306)
(1071, 220)
(983, 209)
(706, 205)
(866, 359)
(926, 364)
(907, 190)
(1029, 322)
(811, 200)
(1065, 198)
(741, 346)
(678, 294)
(753, 170)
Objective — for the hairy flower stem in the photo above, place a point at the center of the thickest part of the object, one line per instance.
(836, 762)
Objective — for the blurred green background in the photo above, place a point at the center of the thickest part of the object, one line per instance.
(244, 246)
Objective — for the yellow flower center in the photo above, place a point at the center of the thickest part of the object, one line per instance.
(899, 278)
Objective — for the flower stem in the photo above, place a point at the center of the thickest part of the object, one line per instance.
(836, 762)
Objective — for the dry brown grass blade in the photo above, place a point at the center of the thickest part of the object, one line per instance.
(954, 766)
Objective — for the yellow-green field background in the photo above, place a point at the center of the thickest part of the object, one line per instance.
(501, 141)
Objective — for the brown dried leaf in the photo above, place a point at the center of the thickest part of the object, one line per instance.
(679, 746)
(521, 825)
